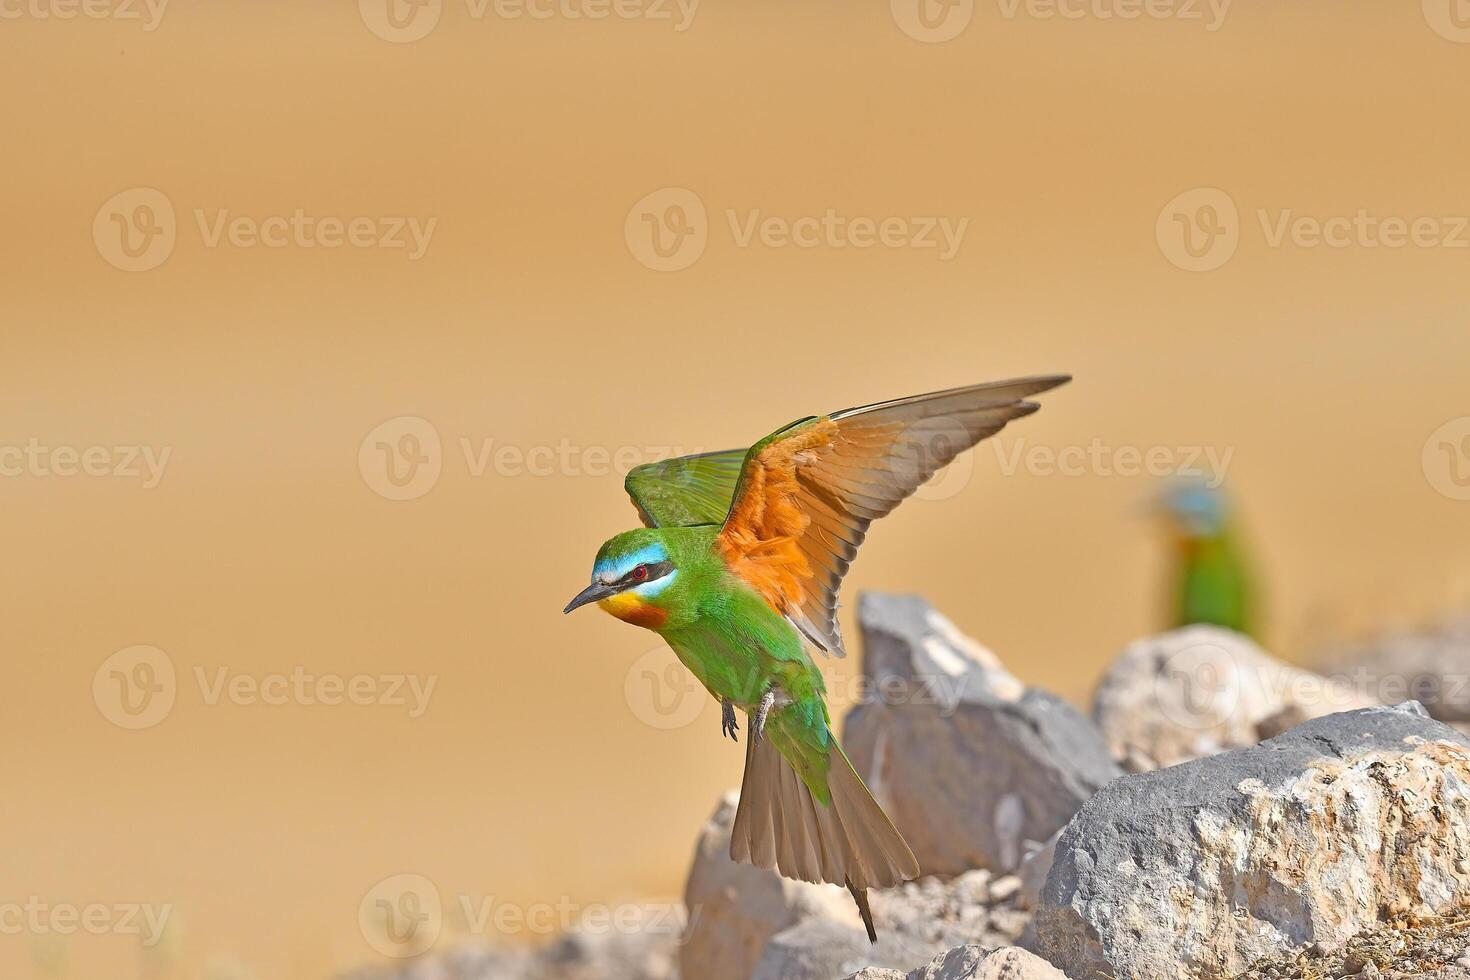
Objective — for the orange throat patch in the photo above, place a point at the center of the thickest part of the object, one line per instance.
(631, 608)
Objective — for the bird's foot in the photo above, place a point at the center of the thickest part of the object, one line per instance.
(728, 725)
(758, 723)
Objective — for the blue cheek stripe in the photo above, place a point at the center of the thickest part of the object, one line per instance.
(610, 570)
(650, 589)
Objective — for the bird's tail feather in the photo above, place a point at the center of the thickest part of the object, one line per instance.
(780, 825)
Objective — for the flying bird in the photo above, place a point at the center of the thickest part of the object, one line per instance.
(738, 568)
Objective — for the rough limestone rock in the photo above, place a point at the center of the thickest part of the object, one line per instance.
(1409, 949)
(1204, 868)
(1430, 665)
(969, 762)
(933, 914)
(816, 949)
(598, 955)
(577, 955)
(1199, 690)
(915, 921)
(469, 961)
(973, 963)
(734, 909)
(1034, 869)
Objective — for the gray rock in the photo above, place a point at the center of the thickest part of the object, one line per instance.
(1204, 868)
(1199, 690)
(1034, 869)
(599, 955)
(578, 955)
(915, 921)
(816, 949)
(735, 909)
(973, 963)
(469, 961)
(1430, 665)
(1405, 949)
(969, 762)
(930, 915)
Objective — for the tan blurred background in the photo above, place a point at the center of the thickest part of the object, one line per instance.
(531, 325)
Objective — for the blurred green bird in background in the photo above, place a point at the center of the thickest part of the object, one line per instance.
(1212, 580)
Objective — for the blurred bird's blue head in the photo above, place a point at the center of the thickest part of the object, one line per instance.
(1198, 510)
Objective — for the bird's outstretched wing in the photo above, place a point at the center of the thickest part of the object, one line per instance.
(807, 493)
(686, 491)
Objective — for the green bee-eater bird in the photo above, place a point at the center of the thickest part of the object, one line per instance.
(1212, 583)
(738, 568)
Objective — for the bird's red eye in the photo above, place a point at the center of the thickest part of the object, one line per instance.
(640, 573)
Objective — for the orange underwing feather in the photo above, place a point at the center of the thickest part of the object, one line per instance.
(761, 538)
(807, 494)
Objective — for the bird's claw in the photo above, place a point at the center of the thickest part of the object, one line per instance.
(728, 725)
(758, 723)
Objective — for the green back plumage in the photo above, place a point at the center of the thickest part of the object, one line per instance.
(739, 647)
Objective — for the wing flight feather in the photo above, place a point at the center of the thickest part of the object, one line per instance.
(805, 495)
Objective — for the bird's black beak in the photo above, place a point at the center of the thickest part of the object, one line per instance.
(592, 593)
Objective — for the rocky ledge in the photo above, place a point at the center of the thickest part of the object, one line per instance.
(1220, 816)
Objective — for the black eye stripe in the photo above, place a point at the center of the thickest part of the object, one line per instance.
(655, 571)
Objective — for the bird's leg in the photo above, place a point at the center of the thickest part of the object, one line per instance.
(728, 724)
(758, 723)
